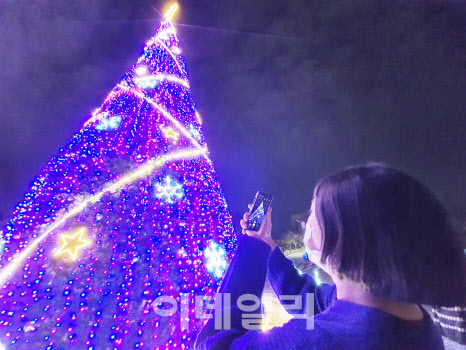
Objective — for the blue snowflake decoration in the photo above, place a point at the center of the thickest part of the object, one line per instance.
(146, 81)
(109, 123)
(215, 262)
(169, 190)
(193, 130)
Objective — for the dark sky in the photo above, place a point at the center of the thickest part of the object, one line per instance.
(289, 90)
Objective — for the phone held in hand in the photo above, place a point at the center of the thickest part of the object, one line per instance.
(260, 205)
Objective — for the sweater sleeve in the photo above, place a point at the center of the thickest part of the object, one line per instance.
(285, 279)
(245, 276)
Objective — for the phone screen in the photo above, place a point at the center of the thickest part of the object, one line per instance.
(260, 206)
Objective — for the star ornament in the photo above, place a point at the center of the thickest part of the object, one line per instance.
(72, 243)
(169, 133)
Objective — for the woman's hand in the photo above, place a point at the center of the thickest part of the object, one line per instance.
(265, 231)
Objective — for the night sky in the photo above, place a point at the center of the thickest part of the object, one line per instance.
(289, 91)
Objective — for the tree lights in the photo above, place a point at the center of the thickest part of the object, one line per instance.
(130, 210)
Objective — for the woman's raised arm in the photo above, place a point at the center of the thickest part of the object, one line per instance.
(285, 279)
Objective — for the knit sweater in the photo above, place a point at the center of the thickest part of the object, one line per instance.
(337, 324)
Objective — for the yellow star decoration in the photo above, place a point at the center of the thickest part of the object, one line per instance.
(170, 134)
(71, 244)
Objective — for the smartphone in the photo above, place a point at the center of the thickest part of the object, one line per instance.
(260, 205)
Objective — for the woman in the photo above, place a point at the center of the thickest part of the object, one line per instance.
(387, 244)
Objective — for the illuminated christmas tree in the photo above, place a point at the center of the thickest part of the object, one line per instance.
(129, 212)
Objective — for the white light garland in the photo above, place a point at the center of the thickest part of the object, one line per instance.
(78, 206)
(151, 81)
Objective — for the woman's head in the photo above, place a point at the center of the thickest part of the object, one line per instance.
(383, 228)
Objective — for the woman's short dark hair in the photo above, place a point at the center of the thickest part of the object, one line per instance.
(385, 229)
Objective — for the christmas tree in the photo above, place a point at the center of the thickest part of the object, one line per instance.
(124, 226)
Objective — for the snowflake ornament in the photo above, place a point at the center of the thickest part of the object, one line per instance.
(109, 123)
(216, 262)
(195, 132)
(169, 190)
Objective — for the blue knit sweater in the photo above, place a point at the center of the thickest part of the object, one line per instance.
(337, 324)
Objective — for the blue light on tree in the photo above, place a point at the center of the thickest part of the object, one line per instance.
(216, 262)
(109, 123)
(146, 82)
(195, 132)
(169, 190)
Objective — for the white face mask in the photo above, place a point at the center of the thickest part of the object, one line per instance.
(314, 255)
